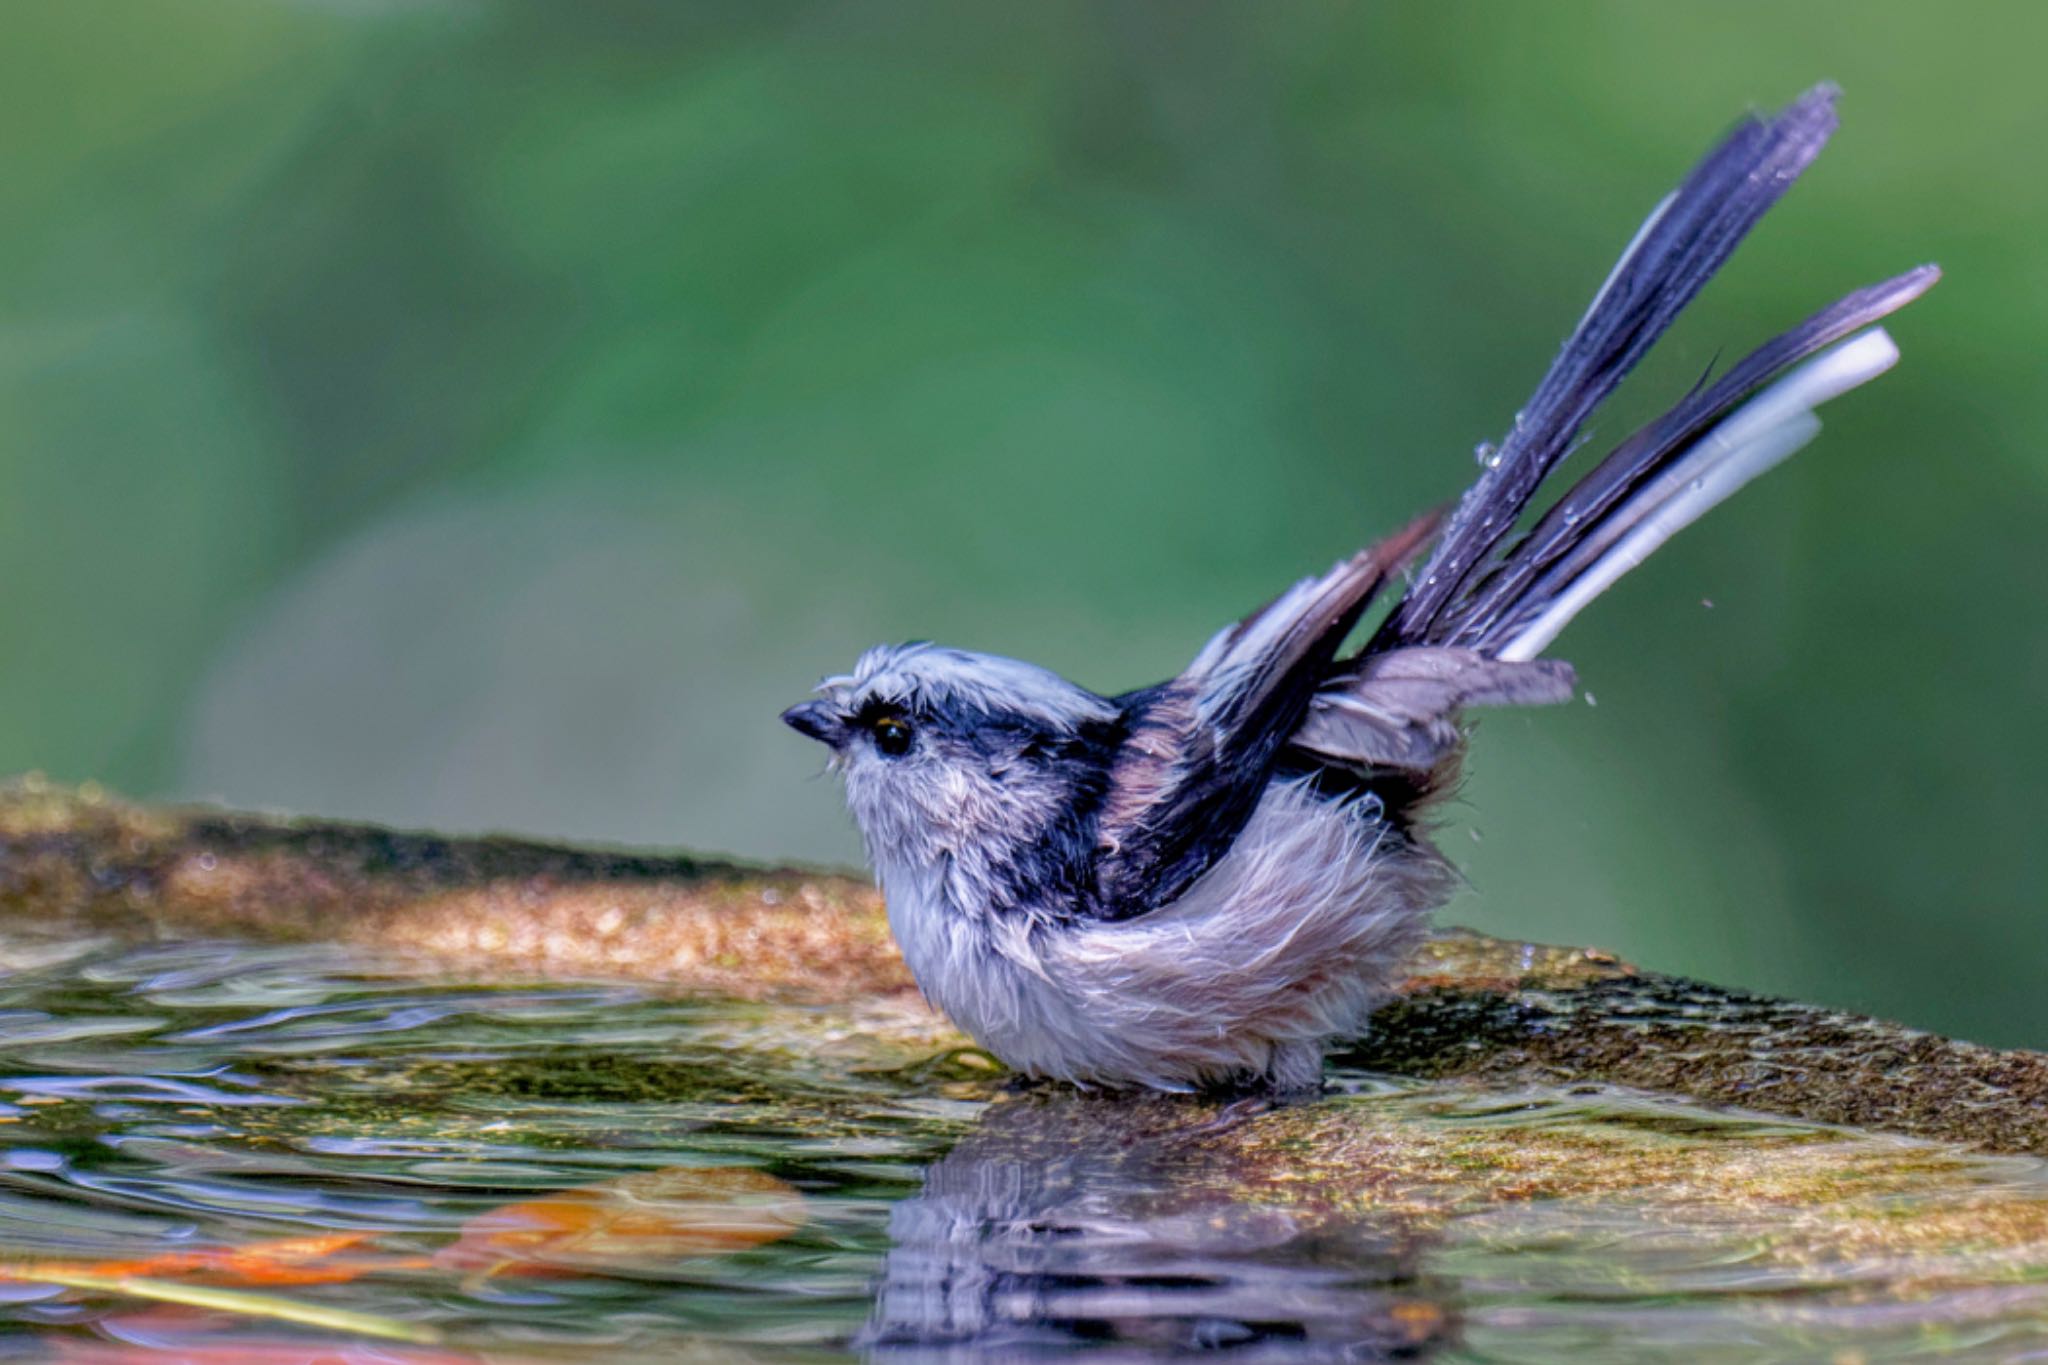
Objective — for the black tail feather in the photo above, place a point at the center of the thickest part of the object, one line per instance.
(1598, 510)
(1685, 242)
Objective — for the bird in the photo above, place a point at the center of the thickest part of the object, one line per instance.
(1201, 884)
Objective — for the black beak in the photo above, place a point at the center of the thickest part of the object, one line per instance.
(816, 719)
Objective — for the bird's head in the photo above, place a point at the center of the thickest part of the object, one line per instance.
(968, 763)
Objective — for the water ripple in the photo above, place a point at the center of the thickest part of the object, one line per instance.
(189, 1099)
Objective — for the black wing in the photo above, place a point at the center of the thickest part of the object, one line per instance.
(1198, 750)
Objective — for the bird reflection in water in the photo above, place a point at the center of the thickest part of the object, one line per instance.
(1149, 1226)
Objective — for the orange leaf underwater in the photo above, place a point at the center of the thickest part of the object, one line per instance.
(285, 1260)
(649, 1217)
(638, 1220)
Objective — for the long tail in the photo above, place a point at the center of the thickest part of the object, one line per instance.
(1509, 604)
(1476, 616)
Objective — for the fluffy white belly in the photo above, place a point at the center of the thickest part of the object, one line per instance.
(1291, 939)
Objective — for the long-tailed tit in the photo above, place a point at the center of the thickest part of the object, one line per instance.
(1202, 882)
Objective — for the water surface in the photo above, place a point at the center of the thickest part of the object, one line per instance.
(789, 1183)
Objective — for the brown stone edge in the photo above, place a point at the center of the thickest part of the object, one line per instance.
(78, 861)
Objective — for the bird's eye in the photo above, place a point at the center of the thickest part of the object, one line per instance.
(892, 737)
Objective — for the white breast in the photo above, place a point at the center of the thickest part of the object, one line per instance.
(1291, 939)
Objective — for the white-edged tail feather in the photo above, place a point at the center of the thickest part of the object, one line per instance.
(1627, 257)
(1763, 432)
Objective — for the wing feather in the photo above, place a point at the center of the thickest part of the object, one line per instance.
(1399, 709)
(1198, 750)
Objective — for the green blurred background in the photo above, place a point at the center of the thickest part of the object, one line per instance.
(488, 414)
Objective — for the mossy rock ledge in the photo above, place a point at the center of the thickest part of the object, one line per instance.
(78, 862)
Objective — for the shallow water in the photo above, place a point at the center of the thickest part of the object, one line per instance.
(802, 1184)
